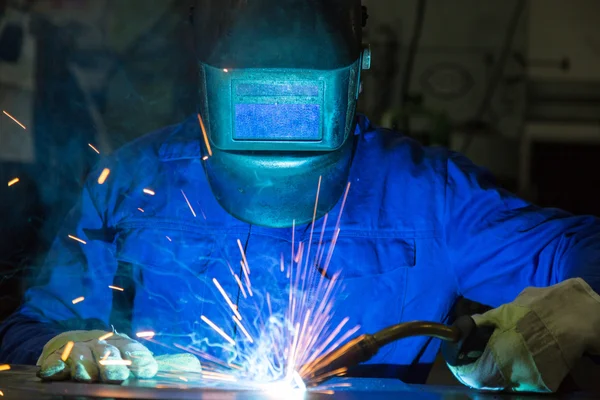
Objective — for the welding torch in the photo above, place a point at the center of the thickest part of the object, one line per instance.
(463, 343)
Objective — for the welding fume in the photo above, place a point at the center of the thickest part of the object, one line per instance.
(278, 237)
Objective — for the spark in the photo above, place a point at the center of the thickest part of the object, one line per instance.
(106, 336)
(13, 181)
(93, 148)
(183, 378)
(67, 351)
(219, 377)
(225, 70)
(77, 239)
(206, 141)
(239, 323)
(168, 238)
(114, 362)
(227, 299)
(120, 289)
(149, 191)
(1, 393)
(245, 261)
(239, 282)
(103, 176)
(145, 334)
(188, 203)
(4, 367)
(78, 300)
(14, 119)
(204, 158)
(141, 209)
(217, 329)
(277, 352)
(247, 278)
(105, 357)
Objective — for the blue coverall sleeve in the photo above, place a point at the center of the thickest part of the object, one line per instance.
(499, 244)
(72, 269)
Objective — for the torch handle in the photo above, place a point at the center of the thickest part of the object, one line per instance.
(471, 344)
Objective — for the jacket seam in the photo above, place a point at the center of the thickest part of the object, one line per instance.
(459, 291)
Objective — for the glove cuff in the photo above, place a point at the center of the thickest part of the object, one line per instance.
(563, 325)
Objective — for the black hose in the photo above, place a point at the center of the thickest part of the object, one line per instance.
(417, 328)
(363, 348)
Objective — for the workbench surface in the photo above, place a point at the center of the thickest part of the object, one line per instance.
(20, 382)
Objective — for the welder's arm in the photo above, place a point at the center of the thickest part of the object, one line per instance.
(499, 245)
(72, 269)
(537, 339)
(71, 302)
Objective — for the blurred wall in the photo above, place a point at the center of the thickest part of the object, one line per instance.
(458, 52)
(572, 29)
(460, 45)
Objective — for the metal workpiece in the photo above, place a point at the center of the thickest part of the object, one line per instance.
(20, 382)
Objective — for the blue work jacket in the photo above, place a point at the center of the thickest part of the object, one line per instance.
(421, 227)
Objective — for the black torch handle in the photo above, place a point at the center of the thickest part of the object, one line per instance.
(473, 341)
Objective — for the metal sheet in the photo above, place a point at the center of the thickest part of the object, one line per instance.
(21, 383)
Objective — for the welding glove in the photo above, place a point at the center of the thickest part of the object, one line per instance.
(537, 339)
(85, 361)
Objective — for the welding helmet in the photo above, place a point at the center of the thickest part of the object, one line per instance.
(279, 82)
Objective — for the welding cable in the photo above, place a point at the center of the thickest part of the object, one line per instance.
(463, 336)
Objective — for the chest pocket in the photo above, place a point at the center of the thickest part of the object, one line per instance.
(166, 251)
(372, 281)
(168, 265)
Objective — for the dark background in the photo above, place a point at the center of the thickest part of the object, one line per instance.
(513, 84)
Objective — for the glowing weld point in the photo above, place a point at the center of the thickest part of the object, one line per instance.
(114, 362)
(14, 119)
(120, 289)
(78, 300)
(145, 334)
(103, 176)
(149, 191)
(67, 351)
(4, 367)
(13, 181)
(141, 209)
(188, 203)
(1, 394)
(298, 381)
(93, 148)
(105, 336)
(168, 238)
(225, 70)
(217, 329)
(77, 239)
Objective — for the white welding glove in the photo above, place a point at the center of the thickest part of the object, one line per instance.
(538, 339)
(85, 361)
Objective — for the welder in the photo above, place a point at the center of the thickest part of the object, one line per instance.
(277, 122)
